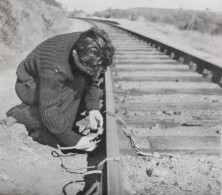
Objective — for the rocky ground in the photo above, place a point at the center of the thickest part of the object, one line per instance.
(178, 173)
(173, 174)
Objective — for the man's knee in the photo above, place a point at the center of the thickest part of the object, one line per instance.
(27, 93)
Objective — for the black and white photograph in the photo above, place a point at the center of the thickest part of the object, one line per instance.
(110, 97)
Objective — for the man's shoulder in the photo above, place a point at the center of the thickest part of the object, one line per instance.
(64, 37)
(54, 53)
(59, 40)
(71, 34)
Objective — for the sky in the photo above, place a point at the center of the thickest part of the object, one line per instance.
(90, 6)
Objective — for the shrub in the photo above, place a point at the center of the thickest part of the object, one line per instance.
(202, 21)
(8, 22)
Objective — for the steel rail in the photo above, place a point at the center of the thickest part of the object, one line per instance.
(111, 179)
(113, 168)
(93, 19)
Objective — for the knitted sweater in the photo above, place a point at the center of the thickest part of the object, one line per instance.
(60, 85)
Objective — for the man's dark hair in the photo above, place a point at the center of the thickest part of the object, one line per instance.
(95, 48)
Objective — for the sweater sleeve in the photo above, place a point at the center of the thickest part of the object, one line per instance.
(93, 95)
(51, 82)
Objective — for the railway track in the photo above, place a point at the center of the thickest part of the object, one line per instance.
(169, 100)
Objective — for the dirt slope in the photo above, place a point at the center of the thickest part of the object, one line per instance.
(26, 167)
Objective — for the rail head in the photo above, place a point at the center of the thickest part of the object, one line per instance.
(114, 179)
(94, 19)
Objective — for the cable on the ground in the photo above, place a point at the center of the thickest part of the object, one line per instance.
(64, 187)
(80, 147)
(98, 170)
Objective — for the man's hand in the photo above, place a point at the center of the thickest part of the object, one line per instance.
(96, 121)
(87, 143)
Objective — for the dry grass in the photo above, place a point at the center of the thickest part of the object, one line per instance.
(201, 21)
(24, 24)
(195, 32)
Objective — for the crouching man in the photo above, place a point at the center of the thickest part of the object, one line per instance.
(58, 76)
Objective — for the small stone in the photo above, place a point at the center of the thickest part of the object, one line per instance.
(146, 158)
(25, 149)
(114, 73)
(156, 126)
(36, 158)
(173, 159)
(29, 138)
(149, 172)
(201, 159)
(170, 155)
(156, 155)
(121, 99)
(4, 177)
(177, 112)
(218, 132)
(157, 172)
(175, 183)
(12, 179)
(171, 112)
(125, 112)
(159, 113)
(117, 85)
(153, 161)
(23, 136)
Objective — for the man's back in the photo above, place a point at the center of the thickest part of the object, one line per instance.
(51, 53)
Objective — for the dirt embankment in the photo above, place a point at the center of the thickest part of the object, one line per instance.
(27, 167)
(25, 23)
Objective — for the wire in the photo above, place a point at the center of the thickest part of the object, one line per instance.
(99, 167)
(64, 187)
(79, 147)
(133, 143)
